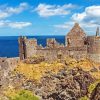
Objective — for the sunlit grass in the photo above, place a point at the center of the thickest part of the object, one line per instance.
(36, 71)
(13, 94)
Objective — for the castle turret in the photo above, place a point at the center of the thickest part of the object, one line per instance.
(97, 31)
(27, 47)
(76, 37)
(22, 47)
(93, 47)
(31, 47)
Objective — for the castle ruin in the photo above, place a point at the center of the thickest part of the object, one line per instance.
(77, 45)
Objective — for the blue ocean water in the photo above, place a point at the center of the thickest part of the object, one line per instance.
(9, 44)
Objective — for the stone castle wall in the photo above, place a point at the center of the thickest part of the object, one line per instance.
(22, 48)
(53, 49)
(53, 54)
(93, 48)
(31, 45)
(76, 37)
(93, 44)
(77, 45)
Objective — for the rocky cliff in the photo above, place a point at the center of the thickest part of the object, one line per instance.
(67, 80)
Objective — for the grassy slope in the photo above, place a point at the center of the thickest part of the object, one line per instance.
(36, 71)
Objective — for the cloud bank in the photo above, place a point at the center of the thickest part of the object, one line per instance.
(17, 25)
(8, 11)
(46, 10)
(89, 19)
(90, 15)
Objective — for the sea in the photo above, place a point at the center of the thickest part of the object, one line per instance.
(9, 44)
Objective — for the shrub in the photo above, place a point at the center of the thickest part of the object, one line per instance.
(84, 98)
(92, 86)
(24, 95)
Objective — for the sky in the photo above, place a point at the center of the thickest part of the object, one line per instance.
(47, 17)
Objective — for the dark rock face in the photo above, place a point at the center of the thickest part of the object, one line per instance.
(6, 66)
(84, 79)
(69, 85)
(60, 89)
(94, 69)
(66, 85)
(96, 93)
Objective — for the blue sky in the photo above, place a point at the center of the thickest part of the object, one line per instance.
(47, 17)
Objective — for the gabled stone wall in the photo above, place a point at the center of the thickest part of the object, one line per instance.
(76, 37)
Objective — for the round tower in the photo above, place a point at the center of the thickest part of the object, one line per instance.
(93, 47)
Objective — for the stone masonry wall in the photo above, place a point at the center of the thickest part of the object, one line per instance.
(53, 50)
(31, 45)
(93, 48)
(76, 37)
(52, 54)
(77, 45)
(22, 51)
(93, 44)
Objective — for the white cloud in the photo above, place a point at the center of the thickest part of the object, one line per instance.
(45, 10)
(71, 23)
(89, 28)
(93, 11)
(17, 25)
(78, 16)
(90, 15)
(67, 25)
(89, 19)
(8, 11)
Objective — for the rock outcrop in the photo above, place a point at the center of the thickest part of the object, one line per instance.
(66, 85)
(34, 60)
(96, 93)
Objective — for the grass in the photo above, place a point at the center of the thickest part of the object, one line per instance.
(92, 86)
(84, 98)
(20, 95)
(36, 71)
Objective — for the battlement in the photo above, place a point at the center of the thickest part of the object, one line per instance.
(77, 45)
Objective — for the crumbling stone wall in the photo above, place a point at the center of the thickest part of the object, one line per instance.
(53, 54)
(93, 48)
(77, 45)
(31, 46)
(52, 43)
(76, 37)
(53, 49)
(22, 47)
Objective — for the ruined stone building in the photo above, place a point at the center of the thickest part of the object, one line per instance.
(77, 45)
